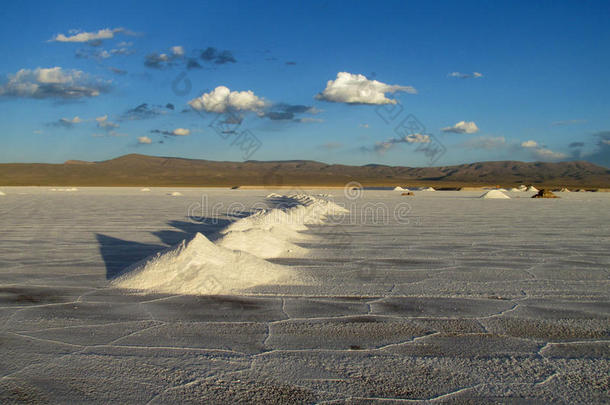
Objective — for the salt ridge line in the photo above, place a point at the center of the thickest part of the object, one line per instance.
(237, 260)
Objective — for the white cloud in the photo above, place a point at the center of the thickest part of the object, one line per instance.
(357, 89)
(222, 99)
(52, 82)
(181, 132)
(105, 33)
(363, 125)
(417, 138)
(144, 140)
(529, 144)
(177, 50)
(541, 152)
(74, 120)
(463, 127)
(102, 122)
(473, 75)
(547, 154)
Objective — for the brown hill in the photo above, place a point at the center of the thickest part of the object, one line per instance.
(142, 170)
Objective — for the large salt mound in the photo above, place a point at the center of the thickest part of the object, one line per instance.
(201, 267)
(236, 261)
(494, 194)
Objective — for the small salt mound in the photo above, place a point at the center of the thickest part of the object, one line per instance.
(2, 193)
(398, 188)
(564, 190)
(523, 187)
(494, 194)
(532, 189)
(427, 189)
(145, 189)
(201, 267)
(273, 195)
(515, 190)
(175, 194)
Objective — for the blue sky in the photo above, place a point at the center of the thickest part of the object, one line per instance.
(320, 80)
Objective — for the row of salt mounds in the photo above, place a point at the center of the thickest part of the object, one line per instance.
(201, 267)
(495, 194)
(236, 261)
(269, 232)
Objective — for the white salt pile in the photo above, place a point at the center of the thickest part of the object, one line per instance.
(201, 267)
(65, 189)
(515, 190)
(2, 193)
(427, 189)
(145, 189)
(532, 189)
(501, 189)
(494, 194)
(398, 188)
(564, 190)
(236, 261)
(175, 194)
(523, 187)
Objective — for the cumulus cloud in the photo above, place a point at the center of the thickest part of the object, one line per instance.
(529, 144)
(221, 99)
(485, 143)
(462, 127)
(473, 75)
(144, 140)
(53, 82)
(357, 89)
(78, 36)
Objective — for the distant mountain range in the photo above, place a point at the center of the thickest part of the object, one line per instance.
(142, 170)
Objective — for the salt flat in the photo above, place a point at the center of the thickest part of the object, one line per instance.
(439, 297)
